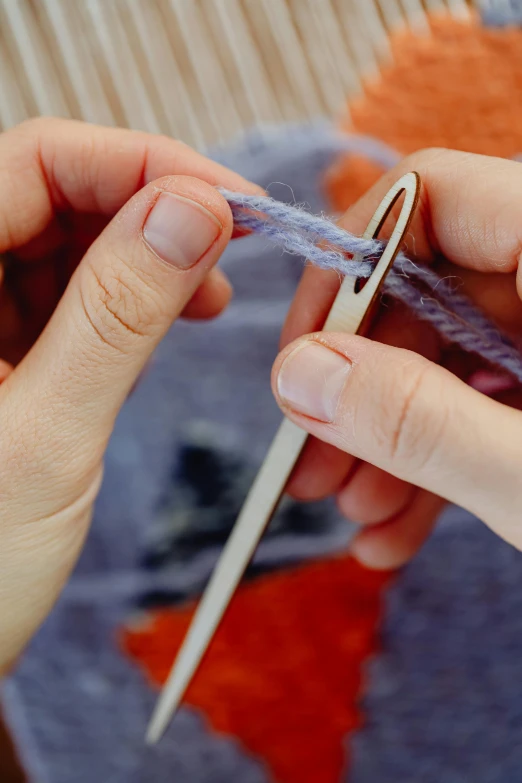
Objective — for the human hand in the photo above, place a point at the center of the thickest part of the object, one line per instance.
(396, 434)
(136, 222)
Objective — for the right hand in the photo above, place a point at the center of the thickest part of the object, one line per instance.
(403, 436)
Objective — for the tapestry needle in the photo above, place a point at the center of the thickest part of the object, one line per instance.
(349, 313)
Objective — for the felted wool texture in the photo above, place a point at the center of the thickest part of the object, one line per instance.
(78, 709)
(444, 696)
(457, 88)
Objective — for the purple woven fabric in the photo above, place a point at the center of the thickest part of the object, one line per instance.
(430, 297)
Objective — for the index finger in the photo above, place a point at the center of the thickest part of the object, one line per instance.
(49, 165)
(469, 211)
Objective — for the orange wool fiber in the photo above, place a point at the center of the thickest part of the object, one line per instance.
(458, 87)
(283, 673)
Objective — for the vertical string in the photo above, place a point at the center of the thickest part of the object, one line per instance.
(167, 80)
(459, 8)
(38, 69)
(391, 13)
(435, 6)
(245, 66)
(201, 70)
(77, 65)
(376, 35)
(12, 106)
(318, 54)
(137, 24)
(340, 55)
(283, 59)
(416, 16)
(195, 49)
(353, 26)
(122, 66)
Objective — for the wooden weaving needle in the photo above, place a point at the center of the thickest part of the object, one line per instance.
(348, 314)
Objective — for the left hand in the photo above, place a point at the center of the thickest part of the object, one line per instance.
(110, 235)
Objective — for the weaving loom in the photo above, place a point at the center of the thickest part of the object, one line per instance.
(390, 682)
(225, 65)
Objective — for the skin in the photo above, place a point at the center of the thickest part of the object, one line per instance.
(408, 435)
(84, 301)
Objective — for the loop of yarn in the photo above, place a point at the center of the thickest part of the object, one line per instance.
(430, 297)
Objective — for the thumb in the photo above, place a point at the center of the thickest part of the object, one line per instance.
(412, 418)
(58, 406)
(128, 289)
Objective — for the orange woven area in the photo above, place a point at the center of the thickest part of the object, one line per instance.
(460, 87)
(283, 673)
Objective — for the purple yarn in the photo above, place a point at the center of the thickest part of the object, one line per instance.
(298, 232)
(450, 298)
(429, 296)
(295, 242)
(501, 13)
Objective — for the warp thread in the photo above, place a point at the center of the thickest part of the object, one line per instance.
(429, 296)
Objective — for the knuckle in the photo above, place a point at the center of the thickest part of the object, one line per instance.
(426, 157)
(411, 427)
(120, 307)
(35, 125)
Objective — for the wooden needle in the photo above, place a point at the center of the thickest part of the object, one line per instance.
(349, 313)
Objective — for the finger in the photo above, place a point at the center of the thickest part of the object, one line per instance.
(318, 472)
(321, 470)
(391, 544)
(211, 298)
(133, 282)
(372, 495)
(468, 212)
(5, 370)
(313, 299)
(408, 416)
(49, 165)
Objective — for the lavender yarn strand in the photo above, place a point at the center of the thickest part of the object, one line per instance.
(493, 347)
(298, 232)
(450, 298)
(429, 296)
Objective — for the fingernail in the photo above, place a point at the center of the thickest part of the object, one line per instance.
(180, 231)
(311, 380)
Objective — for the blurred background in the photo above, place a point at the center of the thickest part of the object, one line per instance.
(201, 70)
(323, 671)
